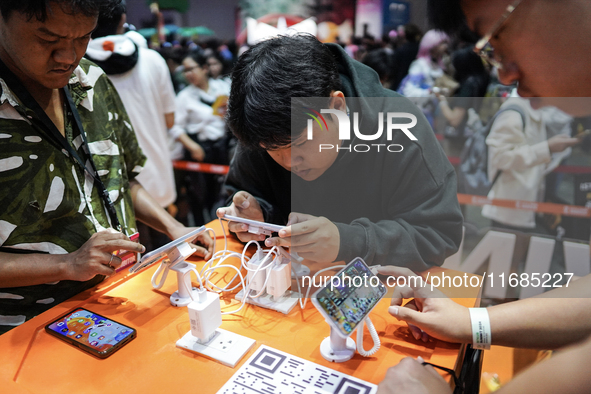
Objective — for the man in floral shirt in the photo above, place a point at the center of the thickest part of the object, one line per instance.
(56, 224)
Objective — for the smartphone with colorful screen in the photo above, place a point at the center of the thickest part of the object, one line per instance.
(91, 332)
(349, 296)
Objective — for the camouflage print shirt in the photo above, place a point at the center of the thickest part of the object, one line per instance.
(48, 204)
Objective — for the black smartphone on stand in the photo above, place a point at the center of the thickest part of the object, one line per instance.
(91, 332)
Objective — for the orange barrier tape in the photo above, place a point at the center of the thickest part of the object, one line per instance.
(455, 161)
(543, 207)
(201, 167)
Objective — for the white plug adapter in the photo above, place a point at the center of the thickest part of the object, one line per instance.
(279, 279)
(256, 281)
(205, 315)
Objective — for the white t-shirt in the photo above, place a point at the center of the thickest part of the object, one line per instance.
(148, 94)
(195, 117)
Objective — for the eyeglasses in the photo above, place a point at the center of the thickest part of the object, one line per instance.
(483, 47)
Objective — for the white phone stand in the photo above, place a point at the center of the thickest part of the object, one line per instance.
(177, 263)
(297, 268)
(337, 349)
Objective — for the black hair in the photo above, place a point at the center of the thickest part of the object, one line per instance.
(226, 64)
(412, 32)
(109, 20)
(39, 8)
(199, 57)
(380, 62)
(446, 15)
(466, 64)
(264, 80)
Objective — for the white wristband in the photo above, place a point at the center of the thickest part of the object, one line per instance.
(481, 334)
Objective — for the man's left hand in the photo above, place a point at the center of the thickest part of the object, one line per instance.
(311, 237)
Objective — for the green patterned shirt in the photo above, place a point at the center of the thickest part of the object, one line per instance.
(48, 204)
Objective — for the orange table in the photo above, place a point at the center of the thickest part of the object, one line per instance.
(34, 362)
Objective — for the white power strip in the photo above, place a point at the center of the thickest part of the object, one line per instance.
(283, 304)
(226, 347)
(272, 371)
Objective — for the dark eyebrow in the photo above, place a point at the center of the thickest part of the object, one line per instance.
(44, 30)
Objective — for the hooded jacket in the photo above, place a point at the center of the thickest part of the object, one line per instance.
(391, 208)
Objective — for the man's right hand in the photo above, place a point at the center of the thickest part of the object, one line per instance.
(95, 257)
(243, 205)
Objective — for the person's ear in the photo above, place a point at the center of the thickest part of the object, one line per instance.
(338, 101)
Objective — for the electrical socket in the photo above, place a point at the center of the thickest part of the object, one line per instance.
(226, 347)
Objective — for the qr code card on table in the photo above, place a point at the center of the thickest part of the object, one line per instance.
(271, 371)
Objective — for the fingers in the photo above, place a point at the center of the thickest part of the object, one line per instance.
(242, 200)
(126, 245)
(201, 251)
(113, 261)
(237, 227)
(205, 246)
(400, 293)
(274, 241)
(109, 241)
(407, 315)
(296, 217)
(302, 233)
(391, 270)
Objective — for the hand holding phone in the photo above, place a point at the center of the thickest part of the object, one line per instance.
(93, 333)
(243, 205)
(254, 226)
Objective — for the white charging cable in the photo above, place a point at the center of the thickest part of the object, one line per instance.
(374, 336)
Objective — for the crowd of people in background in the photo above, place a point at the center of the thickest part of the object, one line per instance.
(442, 75)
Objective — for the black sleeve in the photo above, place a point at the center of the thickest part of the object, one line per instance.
(258, 174)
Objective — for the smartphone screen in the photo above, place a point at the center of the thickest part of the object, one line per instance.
(91, 332)
(349, 297)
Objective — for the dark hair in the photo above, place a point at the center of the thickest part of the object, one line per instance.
(226, 64)
(467, 63)
(109, 20)
(39, 8)
(380, 62)
(199, 57)
(446, 15)
(264, 80)
(412, 32)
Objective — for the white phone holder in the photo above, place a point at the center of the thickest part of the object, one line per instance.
(337, 349)
(176, 262)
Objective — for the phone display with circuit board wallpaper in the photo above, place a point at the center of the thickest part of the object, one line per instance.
(91, 332)
(349, 296)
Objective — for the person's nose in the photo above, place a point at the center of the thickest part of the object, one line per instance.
(509, 74)
(66, 54)
(290, 159)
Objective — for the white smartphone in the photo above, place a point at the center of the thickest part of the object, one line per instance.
(254, 226)
(150, 258)
(349, 297)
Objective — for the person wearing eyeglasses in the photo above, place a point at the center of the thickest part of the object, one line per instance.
(201, 130)
(544, 46)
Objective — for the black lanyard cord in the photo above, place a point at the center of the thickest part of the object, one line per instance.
(54, 134)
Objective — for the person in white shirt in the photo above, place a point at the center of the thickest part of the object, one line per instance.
(143, 82)
(523, 155)
(200, 127)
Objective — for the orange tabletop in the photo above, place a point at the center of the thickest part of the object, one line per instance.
(34, 362)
